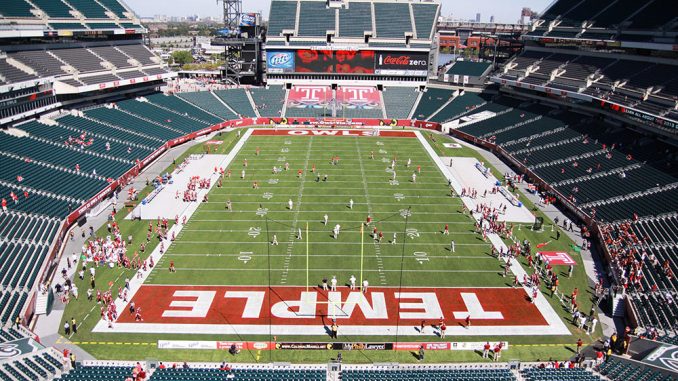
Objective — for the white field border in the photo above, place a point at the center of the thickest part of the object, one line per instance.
(555, 325)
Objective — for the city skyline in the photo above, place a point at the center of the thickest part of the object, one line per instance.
(502, 11)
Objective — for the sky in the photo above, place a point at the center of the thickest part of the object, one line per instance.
(503, 10)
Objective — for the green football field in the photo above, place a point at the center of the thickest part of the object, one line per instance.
(221, 247)
(218, 247)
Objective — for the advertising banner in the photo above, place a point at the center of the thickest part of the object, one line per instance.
(304, 346)
(314, 61)
(280, 62)
(318, 97)
(558, 258)
(248, 19)
(354, 62)
(337, 346)
(401, 63)
(335, 61)
(214, 345)
(448, 346)
(359, 97)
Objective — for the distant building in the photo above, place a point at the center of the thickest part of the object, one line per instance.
(491, 19)
(477, 17)
(526, 15)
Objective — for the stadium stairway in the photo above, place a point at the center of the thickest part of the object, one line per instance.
(399, 101)
(180, 122)
(252, 103)
(442, 106)
(431, 101)
(238, 100)
(82, 123)
(268, 102)
(415, 105)
(123, 120)
(181, 107)
(206, 100)
(459, 106)
(383, 105)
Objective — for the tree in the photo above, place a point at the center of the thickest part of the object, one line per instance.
(182, 57)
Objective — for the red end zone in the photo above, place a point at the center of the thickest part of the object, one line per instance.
(281, 306)
(307, 132)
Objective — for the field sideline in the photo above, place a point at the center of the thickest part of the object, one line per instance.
(220, 247)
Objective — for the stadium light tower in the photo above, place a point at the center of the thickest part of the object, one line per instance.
(232, 13)
(242, 43)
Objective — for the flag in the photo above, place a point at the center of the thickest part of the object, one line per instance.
(540, 245)
(576, 248)
(19, 178)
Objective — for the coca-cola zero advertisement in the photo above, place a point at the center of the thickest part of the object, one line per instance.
(401, 63)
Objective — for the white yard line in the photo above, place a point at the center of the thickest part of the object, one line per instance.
(377, 245)
(333, 269)
(353, 221)
(295, 218)
(216, 195)
(334, 243)
(351, 255)
(317, 231)
(316, 212)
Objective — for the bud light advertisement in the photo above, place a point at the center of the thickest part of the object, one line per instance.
(401, 63)
(248, 19)
(280, 62)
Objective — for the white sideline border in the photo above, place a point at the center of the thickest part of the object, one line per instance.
(136, 282)
(555, 324)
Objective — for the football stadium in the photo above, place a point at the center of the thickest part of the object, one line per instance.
(341, 199)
